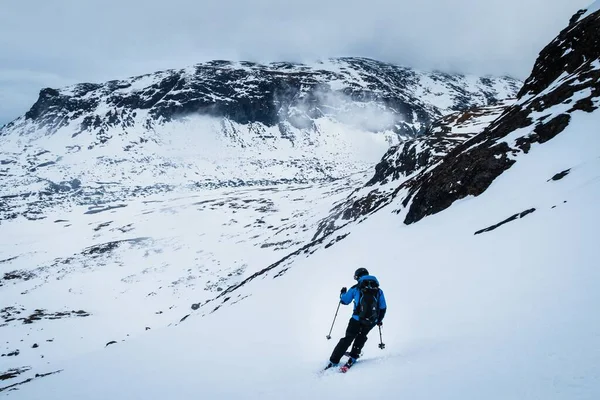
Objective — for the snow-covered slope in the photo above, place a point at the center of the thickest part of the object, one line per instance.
(427, 175)
(505, 314)
(492, 298)
(123, 203)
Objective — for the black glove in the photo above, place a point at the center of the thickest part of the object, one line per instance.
(344, 290)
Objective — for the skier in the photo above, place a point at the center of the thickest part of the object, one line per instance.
(369, 310)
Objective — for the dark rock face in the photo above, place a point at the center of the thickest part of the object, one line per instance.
(21, 275)
(456, 178)
(16, 371)
(574, 50)
(63, 186)
(560, 175)
(507, 220)
(104, 248)
(40, 314)
(12, 373)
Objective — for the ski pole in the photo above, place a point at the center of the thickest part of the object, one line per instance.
(336, 313)
(381, 344)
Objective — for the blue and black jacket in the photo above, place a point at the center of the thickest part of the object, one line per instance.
(354, 294)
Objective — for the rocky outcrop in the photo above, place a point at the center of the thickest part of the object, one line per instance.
(506, 221)
(572, 52)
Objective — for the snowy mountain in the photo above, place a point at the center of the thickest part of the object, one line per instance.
(284, 95)
(160, 191)
(481, 230)
(222, 124)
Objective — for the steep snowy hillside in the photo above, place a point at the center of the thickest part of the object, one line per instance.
(507, 314)
(123, 203)
(495, 297)
(463, 158)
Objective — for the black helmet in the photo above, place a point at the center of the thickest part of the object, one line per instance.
(360, 272)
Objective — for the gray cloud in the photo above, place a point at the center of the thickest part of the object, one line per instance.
(59, 42)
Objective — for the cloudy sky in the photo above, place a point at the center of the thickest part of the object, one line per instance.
(60, 42)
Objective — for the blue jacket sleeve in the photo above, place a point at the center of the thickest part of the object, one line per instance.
(382, 306)
(347, 297)
(382, 303)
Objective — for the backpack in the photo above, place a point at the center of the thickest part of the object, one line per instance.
(368, 302)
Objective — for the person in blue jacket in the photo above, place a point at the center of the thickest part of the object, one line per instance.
(358, 327)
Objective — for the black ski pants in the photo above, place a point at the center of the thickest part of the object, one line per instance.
(357, 333)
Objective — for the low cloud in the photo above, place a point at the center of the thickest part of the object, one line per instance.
(368, 116)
